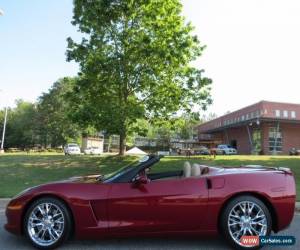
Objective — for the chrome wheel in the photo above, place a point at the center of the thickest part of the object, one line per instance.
(45, 224)
(246, 218)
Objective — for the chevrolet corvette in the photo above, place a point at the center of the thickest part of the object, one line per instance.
(138, 201)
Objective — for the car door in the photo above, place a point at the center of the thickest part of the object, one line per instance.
(129, 208)
(179, 204)
(161, 205)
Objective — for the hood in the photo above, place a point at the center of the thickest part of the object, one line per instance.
(85, 179)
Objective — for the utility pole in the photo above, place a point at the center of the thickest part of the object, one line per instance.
(3, 132)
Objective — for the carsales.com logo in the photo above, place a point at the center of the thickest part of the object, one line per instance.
(251, 240)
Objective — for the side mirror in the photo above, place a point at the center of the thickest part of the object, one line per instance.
(140, 180)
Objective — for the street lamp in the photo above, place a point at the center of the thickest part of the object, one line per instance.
(3, 133)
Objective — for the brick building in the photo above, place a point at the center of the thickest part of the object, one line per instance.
(262, 128)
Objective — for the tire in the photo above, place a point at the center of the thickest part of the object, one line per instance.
(55, 223)
(233, 208)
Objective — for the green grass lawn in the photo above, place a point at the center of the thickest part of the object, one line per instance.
(19, 171)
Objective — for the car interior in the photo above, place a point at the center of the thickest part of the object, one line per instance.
(188, 170)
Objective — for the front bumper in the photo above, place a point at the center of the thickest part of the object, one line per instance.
(13, 213)
(74, 152)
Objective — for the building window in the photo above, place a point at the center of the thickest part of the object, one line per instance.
(275, 140)
(277, 113)
(256, 140)
(293, 114)
(285, 114)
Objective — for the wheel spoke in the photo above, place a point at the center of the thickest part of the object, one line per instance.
(55, 215)
(47, 208)
(255, 231)
(243, 208)
(36, 224)
(51, 235)
(251, 208)
(42, 211)
(234, 220)
(43, 234)
(234, 223)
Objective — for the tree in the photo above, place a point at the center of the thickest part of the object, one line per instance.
(135, 63)
(21, 125)
(54, 124)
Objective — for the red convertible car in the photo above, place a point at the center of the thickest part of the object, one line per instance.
(135, 201)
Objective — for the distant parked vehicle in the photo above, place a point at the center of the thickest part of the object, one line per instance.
(201, 151)
(92, 151)
(224, 149)
(294, 151)
(72, 149)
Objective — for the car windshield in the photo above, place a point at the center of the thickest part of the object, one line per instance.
(124, 170)
(72, 145)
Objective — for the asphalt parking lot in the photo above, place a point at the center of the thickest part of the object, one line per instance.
(8, 241)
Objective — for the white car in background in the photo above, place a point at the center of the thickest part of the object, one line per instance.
(92, 151)
(72, 149)
(226, 150)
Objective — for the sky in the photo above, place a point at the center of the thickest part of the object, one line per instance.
(252, 54)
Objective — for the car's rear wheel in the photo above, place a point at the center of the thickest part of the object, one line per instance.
(47, 223)
(245, 216)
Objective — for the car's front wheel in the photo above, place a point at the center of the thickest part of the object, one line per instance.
(47, 223)
(245, 216)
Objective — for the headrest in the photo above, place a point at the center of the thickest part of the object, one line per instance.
(197, 167)
(196, 170)
(187, 169)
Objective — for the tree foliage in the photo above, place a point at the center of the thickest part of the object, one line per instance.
(135, 63)
(44, 123)
(54, 125)
(20, 130)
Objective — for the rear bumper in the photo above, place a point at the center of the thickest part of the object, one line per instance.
(285, 207)
(285, 212)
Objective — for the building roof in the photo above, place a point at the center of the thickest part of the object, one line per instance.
(263, 110)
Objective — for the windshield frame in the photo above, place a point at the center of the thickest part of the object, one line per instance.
(127, 173)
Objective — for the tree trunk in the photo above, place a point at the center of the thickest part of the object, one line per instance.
(122, 147)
